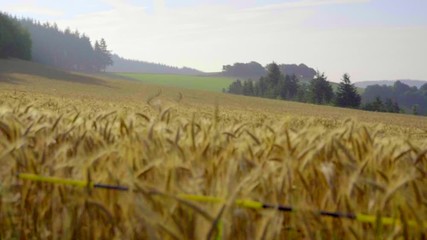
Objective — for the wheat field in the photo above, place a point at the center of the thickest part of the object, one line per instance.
(176, 142)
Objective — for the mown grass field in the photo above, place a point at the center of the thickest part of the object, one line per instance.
(177, 141)
(207, 83)
(183, 81)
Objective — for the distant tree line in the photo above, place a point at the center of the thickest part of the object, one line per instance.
(275, 84)
(382, 97)
(66, 49)
(46, 44)
(318, 90)
(15, 41)
(379, 106)
(254, 70)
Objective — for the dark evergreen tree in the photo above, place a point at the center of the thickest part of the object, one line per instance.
(291, 86)
(248, 88)
(281, 89)
(303, 93)
(15, 41)
(288, 87)
(98, 56)
(347, 95)
(321, 91)
(273, 74)
(261, 87)
(388, 105)
(376, 106)
(103, 55)
(391, 106)
(236, 87)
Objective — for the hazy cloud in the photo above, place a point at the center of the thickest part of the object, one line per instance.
(304, 4)
(31, 9)
(209, 34)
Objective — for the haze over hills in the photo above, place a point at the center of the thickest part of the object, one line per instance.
(409, 82)
(72, 50)
(252, 70)
(136, 66)
(45, 43)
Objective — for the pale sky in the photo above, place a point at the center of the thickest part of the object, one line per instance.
(369, 39)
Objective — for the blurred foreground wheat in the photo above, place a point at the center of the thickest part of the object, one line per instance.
(161, 151)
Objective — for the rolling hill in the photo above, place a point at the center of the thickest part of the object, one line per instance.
(411, 83)
(135, 66)
(28, 77)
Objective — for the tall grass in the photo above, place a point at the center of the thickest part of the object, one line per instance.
(162, 150)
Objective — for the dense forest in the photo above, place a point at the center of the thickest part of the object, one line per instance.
(15, 41)
(46, 44)
(66, 49)
(254, 70)
(125, 65)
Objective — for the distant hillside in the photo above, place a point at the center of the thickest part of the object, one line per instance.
(125, 65)
(411, 83)
(16, 71)
(254, 70)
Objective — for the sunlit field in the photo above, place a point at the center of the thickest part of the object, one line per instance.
(163, 142)
(207, 83)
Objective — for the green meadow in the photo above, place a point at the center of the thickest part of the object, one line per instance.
(208, 83)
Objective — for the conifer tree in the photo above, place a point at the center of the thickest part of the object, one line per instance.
(321, 91)
(103, 55)
(347, 95)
